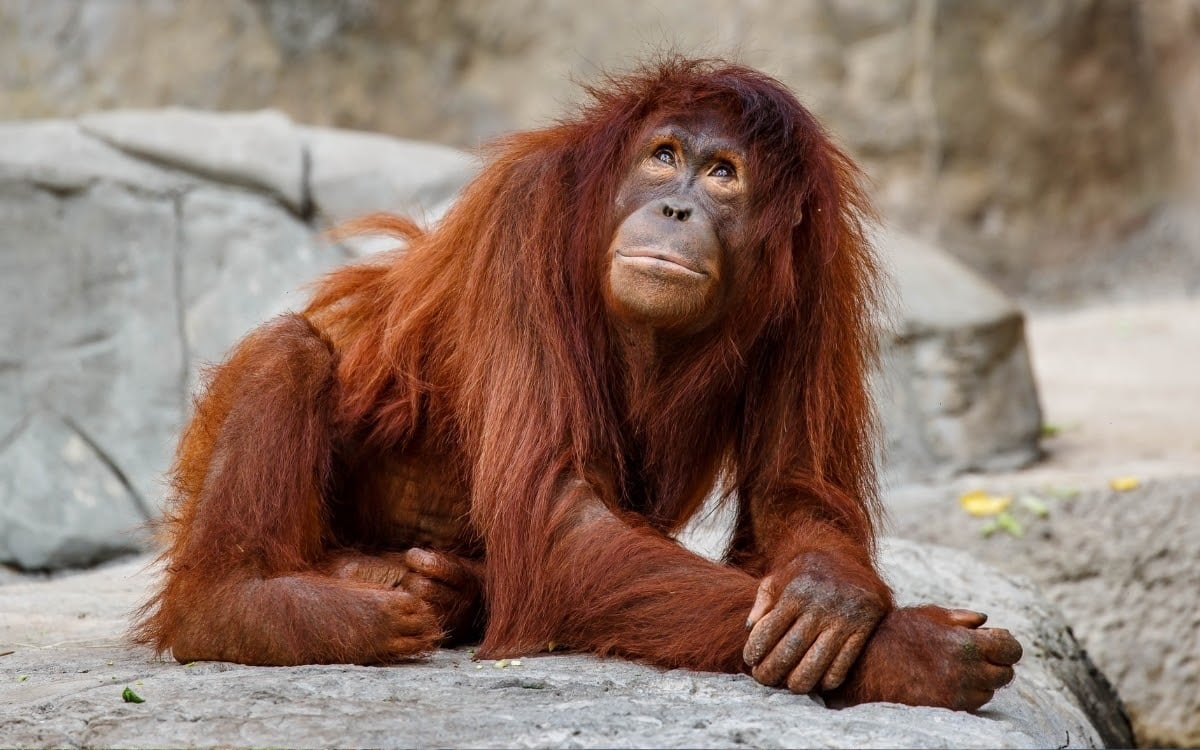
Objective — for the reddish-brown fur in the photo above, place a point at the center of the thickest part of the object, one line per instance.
(470, 394)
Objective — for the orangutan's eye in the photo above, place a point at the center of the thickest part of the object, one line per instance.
(723, 170)
(665, 154)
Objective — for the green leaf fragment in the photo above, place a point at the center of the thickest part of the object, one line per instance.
(22, 678)
(1010, 524)
(129, 696)
(1062, 493)
(1002, 522)
(1034, 505)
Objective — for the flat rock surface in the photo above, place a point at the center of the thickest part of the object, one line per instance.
(63, 684)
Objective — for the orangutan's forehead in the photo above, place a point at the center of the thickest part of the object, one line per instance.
(705, 129)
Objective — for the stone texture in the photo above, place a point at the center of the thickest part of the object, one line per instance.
(956, 392)
(260, 150)
(356, 173)
(58, 156)
(66, 636)
(245, 259)
(1125, 569)
(87, 284)
(62, 504)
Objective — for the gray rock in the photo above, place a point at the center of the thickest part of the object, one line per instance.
(956, 390)
(357, 173)
(59, 156)
(68, 631)
(1124, 567)
(260, 150)
(87, 284)
(63, 503)
(245, 259)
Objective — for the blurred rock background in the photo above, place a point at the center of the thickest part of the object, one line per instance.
(1053, 147)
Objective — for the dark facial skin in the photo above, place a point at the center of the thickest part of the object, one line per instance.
(684, 206)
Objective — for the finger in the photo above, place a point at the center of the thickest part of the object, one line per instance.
(382, 571)
(971, 700)
(404, 647)
(400, 602)
(836, 674)
(767, 633)
(787, 652)
(409, 616)
(808, 673)
(415, 626)
(966, 618)
(993, 676)
(998, 646)
(762, 602)
(438, 594)
(420, 587)
(435, 565)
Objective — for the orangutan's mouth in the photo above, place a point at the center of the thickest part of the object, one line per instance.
(656, 259)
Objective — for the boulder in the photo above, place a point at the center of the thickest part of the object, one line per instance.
(356, 173)
(246, 259)
(90, 351)
(66, 504)
(260, 150)
(76, 668)
(956, 391)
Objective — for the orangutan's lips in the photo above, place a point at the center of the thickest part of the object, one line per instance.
(658, 260)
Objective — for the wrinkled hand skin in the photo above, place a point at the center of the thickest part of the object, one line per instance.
(810, 622)
(449, 585)
(930, 656)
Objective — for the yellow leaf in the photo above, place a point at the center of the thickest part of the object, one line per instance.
(1122, 484)
(980, 503)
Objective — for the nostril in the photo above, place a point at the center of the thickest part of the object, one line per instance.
(681, 214)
